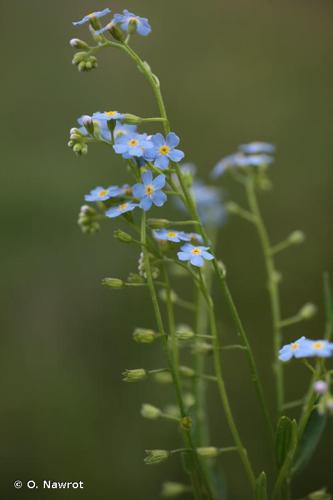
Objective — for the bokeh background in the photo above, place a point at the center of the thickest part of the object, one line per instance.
(232, 71)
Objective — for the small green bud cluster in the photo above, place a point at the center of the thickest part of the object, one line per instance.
(144, 336)
(134, 375)
(156, 456)
(84, 61)
(77, 142)
(86, 220)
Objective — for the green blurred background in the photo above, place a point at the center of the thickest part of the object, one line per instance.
(232, 71)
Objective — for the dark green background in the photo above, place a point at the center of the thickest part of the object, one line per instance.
(232, 71)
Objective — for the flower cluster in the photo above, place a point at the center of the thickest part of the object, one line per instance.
(254, 154)
(127, 22)
(306, 348)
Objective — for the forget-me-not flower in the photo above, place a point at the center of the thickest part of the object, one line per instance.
(132, 145)
(108, 115)
(150, 191)
(88, 17)
(240, 160)
(296, 349)
(122, 208)
(131, 22)
(165, 150)
(194, 254)
(171, 235)
(122, 129)
(318, 348)
(257, 148)
(102, 194)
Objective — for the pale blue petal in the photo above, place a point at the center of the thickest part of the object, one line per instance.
(159, 181)
(159, 198)
(183, 256)
(176, 155)
(172, 140)
(162, 162)
(147, 177)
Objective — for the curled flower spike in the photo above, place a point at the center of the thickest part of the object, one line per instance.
(257, 148)
(102, 194)
(96, 15)
(150, 191)
(171, 235)
(132, 23)
(194, 254)
(164, 150)
(121, 209)
(132, 145)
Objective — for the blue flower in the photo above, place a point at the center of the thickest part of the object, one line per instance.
(196, 237)
(240, 160)
(131, 22)
(108, 115)
(150, 191)
(195, 254)
(164, 150)
(132, 145)
(88, 17)
(257, 147)
(318, 348)
(122, 129)
(171, 235)
(296, 349)
(102, 194)
(121, 209)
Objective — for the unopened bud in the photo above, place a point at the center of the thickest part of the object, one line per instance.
(232, 207)
(172, 489)
(163, 378)
(297, 237)
(320, 386)
(186, 371)
(208, 452)
(76, 43)
(122, 236)
(184, 332)
(201, 348)
(307, 311)
(131, 119)
(144, 336)
(165, 295)
(150, 412)
(156, 456)
(134, 375)
(113, 282)
(158, 223)
(276, 277)
(186, 423)
(189, 399)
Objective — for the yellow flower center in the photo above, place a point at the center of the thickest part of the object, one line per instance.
(123, 207)
(111, 113)
(149, 189)
(102, 193)
(133, 20)
(92, 14)
(318, 346)
(133, 143)
(196, 251)
(294, 346)
(164, 150)
(171, 234)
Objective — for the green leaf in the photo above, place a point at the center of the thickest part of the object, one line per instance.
(261, 487)
(283, 440)
(289, 435)
(310, 439)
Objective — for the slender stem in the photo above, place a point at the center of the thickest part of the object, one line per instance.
(195, 465)
(221, 386)
(272, 288)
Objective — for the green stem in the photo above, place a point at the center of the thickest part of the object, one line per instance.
(195, 465)
(272, 287)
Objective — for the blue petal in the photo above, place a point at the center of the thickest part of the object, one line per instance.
(197, 260)
(159, 198)
(159, 181)
(158, 140)
(162, 162)
(183, 256)
(147, 177)
(172, 140)
(176, 155)
(207, 255)
(146, 203)
(138, 191)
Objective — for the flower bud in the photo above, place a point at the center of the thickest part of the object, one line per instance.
(131, 119)
(163, 294)
(113, 282)
(79, 57)
(208, 452)
(172, 411)
(186, 423)
(156, 456)
(189, 399)
(158, 223)
(122, 236)
(296, 237)
(144, 336)
(186, 371)
(163, 378)
(88, 123)
(320, 386)
(172, 489)
(134, 375)
(150, 412)
(76, 43)
(307, 311)
(232, 207)
(184, 332)
(276, 277)
(201, 348)
(115, 31)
